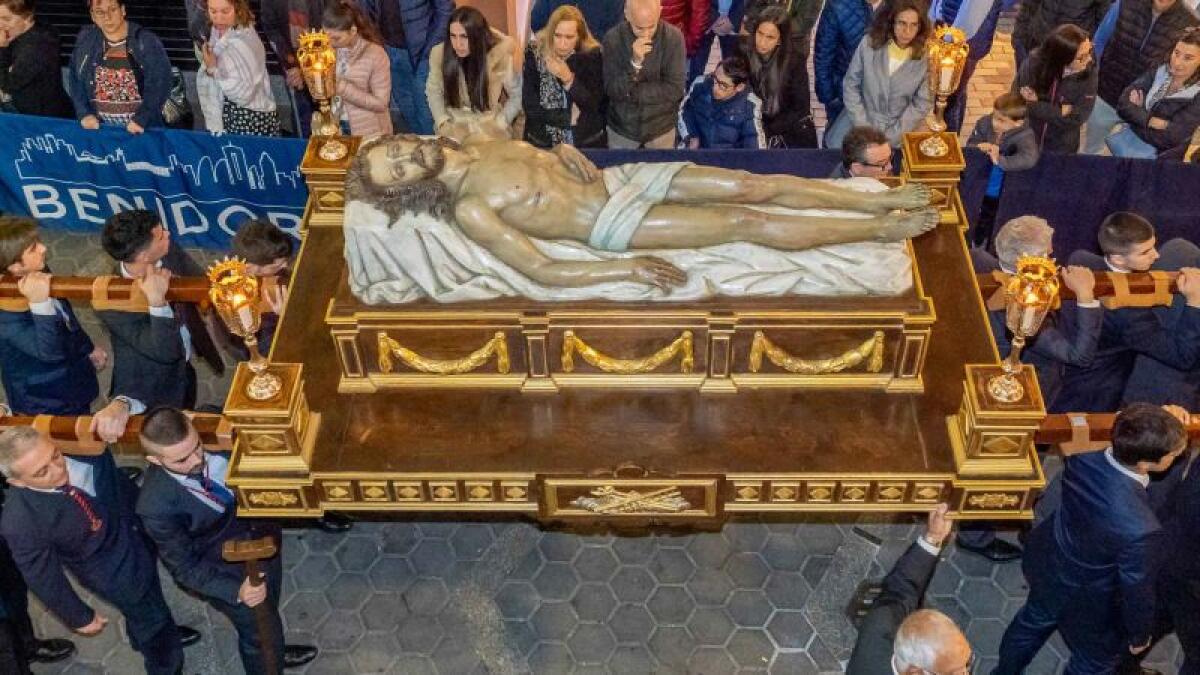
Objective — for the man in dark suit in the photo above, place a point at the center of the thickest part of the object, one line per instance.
(76, 514)
(894, 632)
(267, 251)
(190, 514)
(1176, 501)
(152, 351)
(1160, 344)
(1091, 566)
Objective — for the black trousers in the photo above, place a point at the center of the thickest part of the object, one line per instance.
(244, 620)
(14, 597)
(1178, 613)
(12, 651)
(151, 629)
(985, 224)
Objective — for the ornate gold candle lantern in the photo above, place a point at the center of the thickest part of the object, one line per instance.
(318, 63)
(947, 54)
(234, 294)
(1031, 294)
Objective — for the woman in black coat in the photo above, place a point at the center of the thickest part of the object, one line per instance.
(780, 80)
(1059, 81)
(563, 85)
(30, 67)
(1162, 107)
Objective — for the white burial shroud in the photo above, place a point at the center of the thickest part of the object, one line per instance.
(422, 257)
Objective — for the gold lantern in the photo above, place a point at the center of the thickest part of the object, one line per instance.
(1031, 293)
(947, 56)
(234, 294)
(318, 63)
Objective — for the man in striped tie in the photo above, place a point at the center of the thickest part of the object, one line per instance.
(190, 513)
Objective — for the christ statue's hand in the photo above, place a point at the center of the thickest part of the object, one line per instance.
(573, 159)
(656, 272)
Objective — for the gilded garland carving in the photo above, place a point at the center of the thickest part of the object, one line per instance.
(993, 500)
(681, 346)
(608, 499)
(872, 348)
(496, 346)
(273, 499)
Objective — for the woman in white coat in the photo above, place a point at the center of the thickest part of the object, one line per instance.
(887, 84)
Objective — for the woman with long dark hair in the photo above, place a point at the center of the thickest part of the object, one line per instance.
(887, 85)
(779, 78)
(1058, 81)
(1162, 107)
(471, 73)
(364, 79)
(563, 84)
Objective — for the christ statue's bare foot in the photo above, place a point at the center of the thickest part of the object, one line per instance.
(908, 224)
(908, 196)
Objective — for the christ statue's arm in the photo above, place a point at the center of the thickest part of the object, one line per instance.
(485, 227)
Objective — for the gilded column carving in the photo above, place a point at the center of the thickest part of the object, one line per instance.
(273, 436)
(942, 173)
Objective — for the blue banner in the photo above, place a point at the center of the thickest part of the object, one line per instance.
(202, 187)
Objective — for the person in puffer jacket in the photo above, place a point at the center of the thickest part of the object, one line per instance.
(721, 111)
(1162, 107)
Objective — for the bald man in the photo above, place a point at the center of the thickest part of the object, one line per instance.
(645, 72)
(913, 641)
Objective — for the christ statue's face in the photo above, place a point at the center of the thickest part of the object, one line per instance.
(404, 161)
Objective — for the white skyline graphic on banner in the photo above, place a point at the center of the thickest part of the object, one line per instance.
(232, 168)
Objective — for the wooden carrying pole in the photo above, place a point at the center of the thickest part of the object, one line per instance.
(1140, 283)
(251, 552)
(72, 435)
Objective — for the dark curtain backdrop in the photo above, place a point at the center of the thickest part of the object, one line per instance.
(1073, 192)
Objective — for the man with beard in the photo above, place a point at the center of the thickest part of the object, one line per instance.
(502, 194)
(189, 512)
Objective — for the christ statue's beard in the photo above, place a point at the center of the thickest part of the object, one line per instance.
(435, 164)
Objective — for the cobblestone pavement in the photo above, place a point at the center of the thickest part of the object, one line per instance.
(438, 596)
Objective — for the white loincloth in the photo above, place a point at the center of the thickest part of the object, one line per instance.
(633, 189)
(422, 257)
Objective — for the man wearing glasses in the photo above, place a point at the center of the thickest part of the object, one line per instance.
(120, 74)
(190, 513)
(912, 641)
(866, 152)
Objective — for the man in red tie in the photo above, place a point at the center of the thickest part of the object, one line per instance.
(77, 514)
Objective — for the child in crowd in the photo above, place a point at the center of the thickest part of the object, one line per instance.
(1011, 145)
(720, 110)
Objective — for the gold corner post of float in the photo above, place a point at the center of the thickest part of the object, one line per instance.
(234, 294)
(947, 54)
(318, 64)
(1031, 293)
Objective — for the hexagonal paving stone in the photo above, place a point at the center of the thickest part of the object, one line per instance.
(670, 605)
(711, 625)
(815, 568)
(559, 546)
(340, 631)
(784, 552)
(409, 664)
(794, 663)
(383, 611)
(970, 564)
(556, 581)
(595, 563)
(455, 656)
(553, 621)
(709, 549)
(709, 587)
(711, 661)
(519, 636)
(631, 623)
(399, 538)
(787, 590)
(750, 648)
(946, 579)
(551, 658)
(1009, 578)
(432, 557)
(819, 538)
(949, 606)
(426, 597)
(517, 600)
(746, 570)
(985, 634)
(631, 660)
(790, 630)
(672, 645)
(374, 653)
(357, 553)
(391, 574)
(591, 643)
(330, 663)
(471, 540)
(304, 611)
(314, 572)
(348, 591)
(633, 550)
(528, 568)
(437, 528)
(593, 602)
(419, 634)
(749, 607)
(632, 584)
(745, 535)
(671, 566)
(982, 598)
